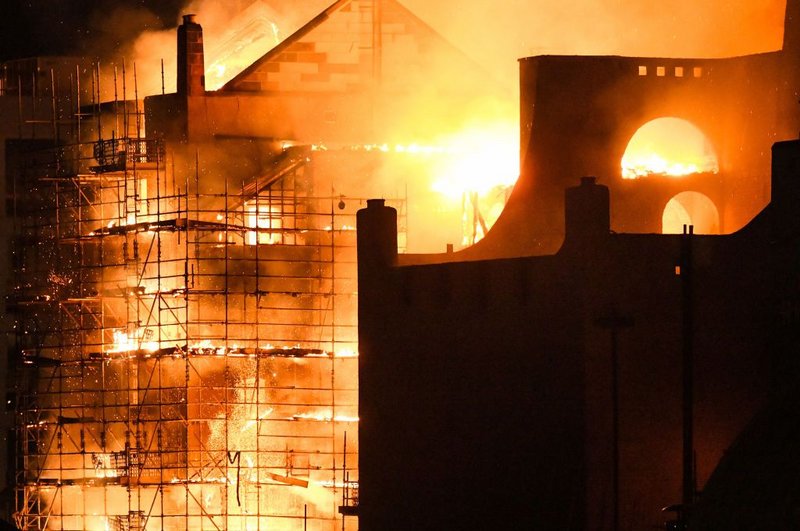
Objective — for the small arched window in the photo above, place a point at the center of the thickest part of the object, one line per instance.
(690, 208)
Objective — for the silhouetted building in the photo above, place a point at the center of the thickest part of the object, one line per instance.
(490, 378)
(578, 115)
(486, 396)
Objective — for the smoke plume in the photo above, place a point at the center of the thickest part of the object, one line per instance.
(100, 28)
(495, 34)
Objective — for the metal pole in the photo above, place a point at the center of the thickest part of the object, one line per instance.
(613, 321)
(34, 97)
(78, 104)
(53, 111)
(124, 102)
(19, 103)
(615, 424)
(345, 486)
(99, 106)
(688, 483)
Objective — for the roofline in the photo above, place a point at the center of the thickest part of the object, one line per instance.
(288, 41)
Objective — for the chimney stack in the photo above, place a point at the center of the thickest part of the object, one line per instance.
(191, 65)
(376, 235)
(588, 215)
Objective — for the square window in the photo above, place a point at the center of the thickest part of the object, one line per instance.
(642, 70)
(678, 71)
(697, 71)
(661, 71)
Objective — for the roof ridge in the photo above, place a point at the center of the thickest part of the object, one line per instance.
(288, 41)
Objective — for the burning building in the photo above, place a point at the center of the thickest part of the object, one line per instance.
(184, 283)
(184, 291)
(580, 367)
(686, 140)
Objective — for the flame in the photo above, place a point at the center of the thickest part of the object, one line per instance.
(668, 147)
(102, 466)
(482, 168)
(324, 416)
(345, 353)
(248, 469)
(654, 164)
(483, 158)
(124, 342)
(249, 36)
(261, 216)
(206, 346)
(476, 167)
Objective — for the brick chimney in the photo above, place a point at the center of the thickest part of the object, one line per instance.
(191, 65)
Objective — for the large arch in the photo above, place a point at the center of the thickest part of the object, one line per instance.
(668, 146)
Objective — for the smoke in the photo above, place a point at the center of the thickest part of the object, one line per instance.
(495, 34)
(492, 37)
(100, 28)
(235, 32)
(492, 34)
(114, 27)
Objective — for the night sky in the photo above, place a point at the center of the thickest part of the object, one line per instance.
(80, 27)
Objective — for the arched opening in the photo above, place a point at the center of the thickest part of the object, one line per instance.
(690, 208)
(668, 147)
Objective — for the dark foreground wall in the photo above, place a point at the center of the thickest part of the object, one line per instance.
(472, 416)
(486, 387)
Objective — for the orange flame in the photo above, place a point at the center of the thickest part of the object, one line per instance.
(669, 147)
(482, 169)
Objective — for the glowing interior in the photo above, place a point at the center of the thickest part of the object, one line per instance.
(479, 170)
(669, 147)
(690, 208)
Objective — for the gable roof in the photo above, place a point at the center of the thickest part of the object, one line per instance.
(283, 45)
(341, 50)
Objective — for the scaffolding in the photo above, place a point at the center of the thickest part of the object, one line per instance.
(187, 344)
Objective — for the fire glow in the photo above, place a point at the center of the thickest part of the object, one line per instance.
(240, 49)
(471, 173)
(124, 342)
(668, 147)
(480, 159)
(480, 169)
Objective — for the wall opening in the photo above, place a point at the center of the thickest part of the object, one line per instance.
(668, 147)
(690, 208)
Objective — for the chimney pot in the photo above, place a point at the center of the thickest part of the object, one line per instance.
(375, 203)
(189, 19)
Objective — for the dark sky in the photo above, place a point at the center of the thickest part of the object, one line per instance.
(82, 27)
